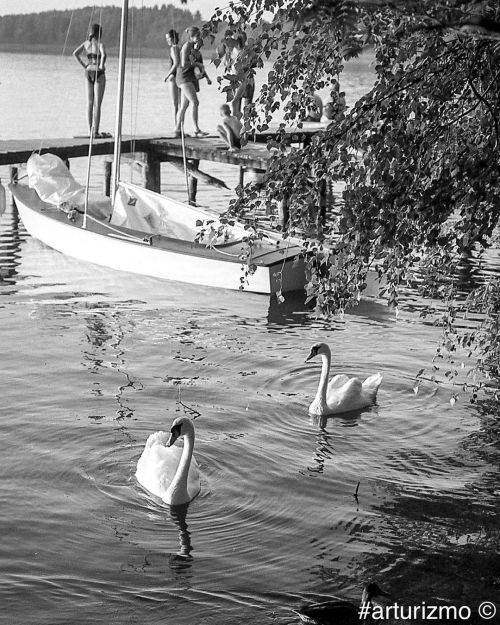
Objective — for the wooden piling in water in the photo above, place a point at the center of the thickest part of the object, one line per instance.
(192, 183)
(108, 167)
(14, 174)
(152, 172)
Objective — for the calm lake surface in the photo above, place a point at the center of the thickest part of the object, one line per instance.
(93, 361)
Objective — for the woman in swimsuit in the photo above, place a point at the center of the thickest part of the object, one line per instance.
(94, 57)
(172, 38)
(189, 73)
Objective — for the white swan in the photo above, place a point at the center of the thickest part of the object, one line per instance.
(342, 394)
(168, 471)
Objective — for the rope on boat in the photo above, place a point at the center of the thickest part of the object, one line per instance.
(125, 235)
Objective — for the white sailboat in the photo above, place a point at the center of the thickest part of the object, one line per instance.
(146, 233)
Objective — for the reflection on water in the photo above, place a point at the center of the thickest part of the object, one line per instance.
(95, 360)
(11, 235)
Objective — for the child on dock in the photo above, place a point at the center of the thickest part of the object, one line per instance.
(230, 128)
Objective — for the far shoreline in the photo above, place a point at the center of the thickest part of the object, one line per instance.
(366, 57)
(41, 48)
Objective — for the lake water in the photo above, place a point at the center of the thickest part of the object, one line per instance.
(93, 361)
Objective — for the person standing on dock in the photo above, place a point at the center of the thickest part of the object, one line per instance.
(94, 57)
(172, 38)
(190, 71)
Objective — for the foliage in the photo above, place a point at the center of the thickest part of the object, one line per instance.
(419, 154)
(67, 29)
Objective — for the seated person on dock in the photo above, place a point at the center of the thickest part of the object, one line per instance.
(230, 128)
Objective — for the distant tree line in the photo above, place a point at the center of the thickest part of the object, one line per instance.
(67, 29)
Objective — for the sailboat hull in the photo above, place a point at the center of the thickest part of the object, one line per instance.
(160, 257)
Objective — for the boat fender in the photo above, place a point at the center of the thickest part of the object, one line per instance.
(2, 199)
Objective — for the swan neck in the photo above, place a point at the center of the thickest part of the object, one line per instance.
(181, 475)
(323, 380)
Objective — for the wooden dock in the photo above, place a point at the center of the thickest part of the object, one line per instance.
(252, 158)
(209, 148)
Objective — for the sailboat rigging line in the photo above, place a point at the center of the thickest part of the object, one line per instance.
(92, 131)
(184, 159)
(134, 115)
(119, 102)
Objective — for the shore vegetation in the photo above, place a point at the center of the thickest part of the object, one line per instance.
(418, 156)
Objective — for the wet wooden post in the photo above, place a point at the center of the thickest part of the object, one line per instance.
(241, 181)
(108, 166)
(14, 174)
(192, 183)
(152, 172)
(66, 162)
(14, 177)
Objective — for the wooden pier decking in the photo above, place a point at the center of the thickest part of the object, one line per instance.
(154, 150)
(209, 148)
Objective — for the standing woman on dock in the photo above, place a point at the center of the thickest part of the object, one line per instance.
(172, 38)
(94, 58)
(189, 73)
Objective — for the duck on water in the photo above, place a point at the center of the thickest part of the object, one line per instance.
(340, 612)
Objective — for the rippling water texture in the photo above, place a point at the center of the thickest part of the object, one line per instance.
(93, 361)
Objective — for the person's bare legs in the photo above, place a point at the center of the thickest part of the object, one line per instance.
(188, 97)
(99, 89)
(223, 134)
(236, 106)
(89, 88)
(175, 95)
(181, 112)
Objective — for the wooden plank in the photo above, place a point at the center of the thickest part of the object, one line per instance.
(19, 151)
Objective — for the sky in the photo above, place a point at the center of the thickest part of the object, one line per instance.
(205, 7)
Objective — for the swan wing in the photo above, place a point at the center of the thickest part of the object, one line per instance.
(157, 466)
(337, 381)
(371, 384)
(346, 397)
(347, 391)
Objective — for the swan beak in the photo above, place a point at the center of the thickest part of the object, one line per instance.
(173, 437)
(175, 432)
(310, 357)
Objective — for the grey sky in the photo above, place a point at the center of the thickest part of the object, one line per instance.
(36, 6)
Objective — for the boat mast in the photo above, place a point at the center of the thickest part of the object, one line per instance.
(119, 102)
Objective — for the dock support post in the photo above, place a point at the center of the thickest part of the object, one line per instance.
(152, 172)
(14, 174)
(242, 176)
(192, 184)
(66, 162)
(107, 178)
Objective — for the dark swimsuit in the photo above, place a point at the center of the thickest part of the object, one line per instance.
(92, 74)
(186, 73)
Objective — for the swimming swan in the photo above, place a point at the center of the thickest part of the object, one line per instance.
(168, 471)
(342, 394)
(338, 612)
